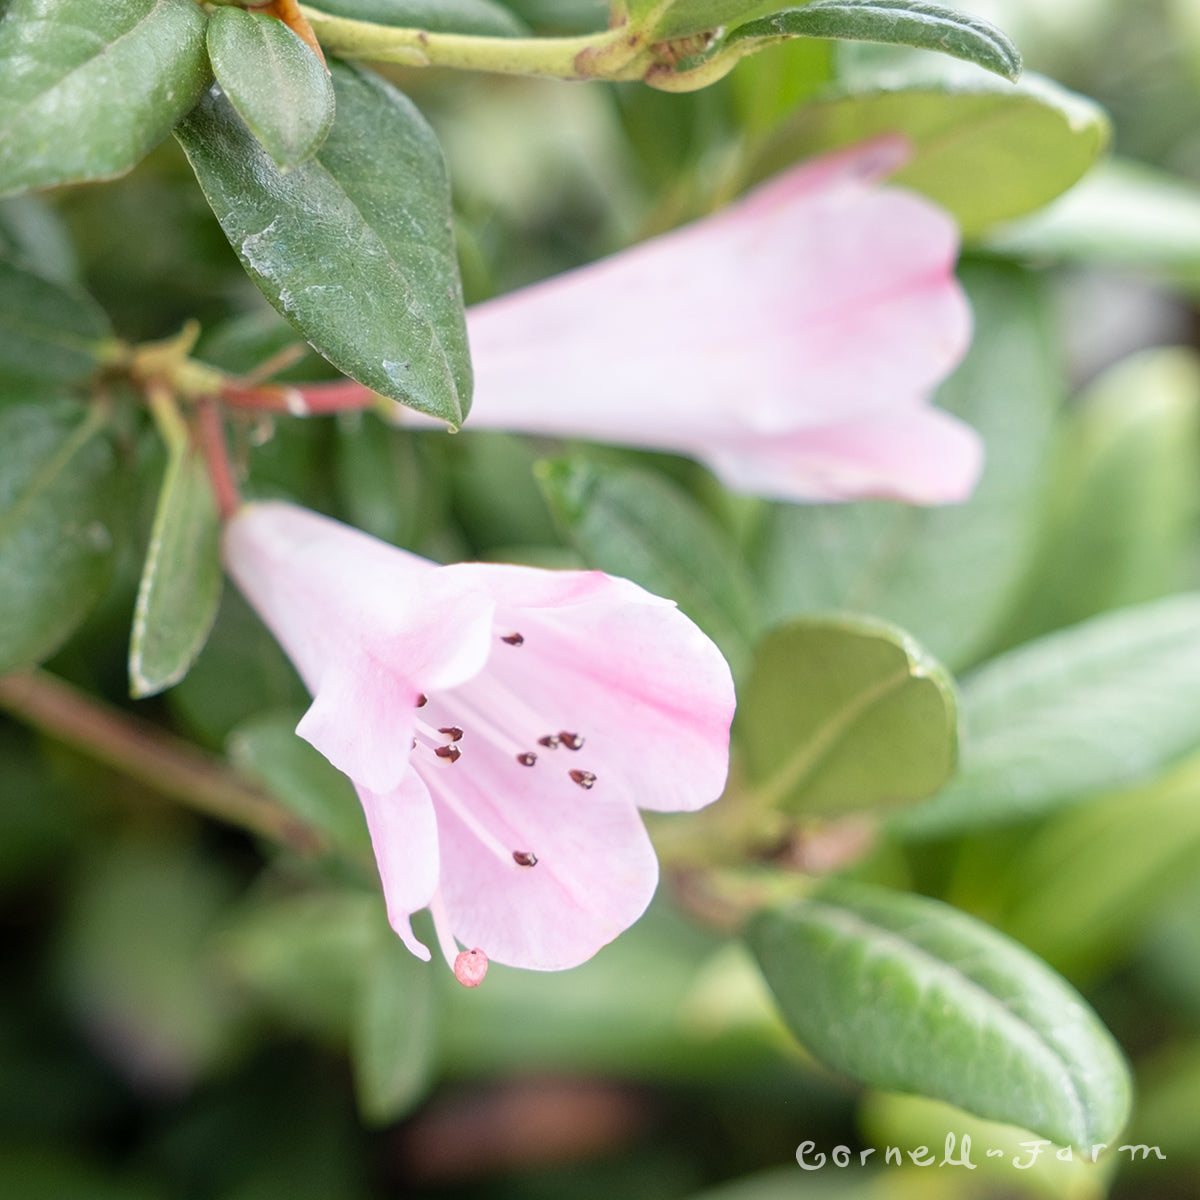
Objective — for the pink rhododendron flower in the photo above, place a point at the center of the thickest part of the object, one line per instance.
(791, 342)
(502, 725)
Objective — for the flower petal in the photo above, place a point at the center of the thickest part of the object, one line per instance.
(647, 690)
(920, 456)
(595, 873)
(404, 836)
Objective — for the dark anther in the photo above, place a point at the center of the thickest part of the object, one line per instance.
(452, 732)
(523, 858)
(572, 741)
(527, 759)
(549, 741)
(422, 700)
(513, 639)
(452, 752)
(585, 779)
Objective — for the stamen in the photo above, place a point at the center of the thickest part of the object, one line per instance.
(439, 783)
(422, 700)
(585, 779)
(524, 858)
(451, 752)
(513, 639)
(572, 741)
(527, 759)
(453, 732)
(550, 741)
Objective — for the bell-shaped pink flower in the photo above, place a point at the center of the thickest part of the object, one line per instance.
(502, 725)
(791, 342)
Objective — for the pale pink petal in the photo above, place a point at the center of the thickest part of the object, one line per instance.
(920, 456)
(595, 871)
(367, 625)
(405, 839)
(647, 690)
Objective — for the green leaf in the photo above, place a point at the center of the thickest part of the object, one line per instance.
(1122, 518)
(57, 483)
(1121, 214)
(266, 747)
(279, 87)
(87, 90)
(181, 578)
(986, 150)
(910, 995)
(393, 1041)
(638, 525)
(947, 575)
(353, 246)
(1099, 706)
(846, 713)
(48, 331)
(483, 18)
(899, 22)
(35, 236)
(668, 19)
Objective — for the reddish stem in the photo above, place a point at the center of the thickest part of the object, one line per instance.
(304, 400)
(216, 455)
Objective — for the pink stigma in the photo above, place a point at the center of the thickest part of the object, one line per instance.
(470, 967)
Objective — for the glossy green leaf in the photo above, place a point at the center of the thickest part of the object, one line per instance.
(910, 995)
(87, 89)
(899, 22)
(393, 1041)
(1099, 706)
(987, 150)
(1124, 512)
(58, 480)
(48, 331)
(266, 747)
(947, 575)
(277, 84)
(353, 246)
(632, 523)
(483, 18)
(846, 713)
(181, 577)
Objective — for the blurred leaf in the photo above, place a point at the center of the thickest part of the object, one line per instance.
(1102, 705)
(638, 525)
(1168, 1112)
(483, 18)
(393, 1044)
(134, 961)
(947, 575)
(274, 80)
(266, 747)
(769, 86)
(58, 483)
(181, 579)
(1088, 881)
(239, 647)
(911, 995)
(302, 956)
(1123, 516)
(47, 1172)
(48, 330)
(985, 149)
(678, 18)
(353, 246)
(846, 713)
(33, 234)
(1121, 214)
(900, 22)
(496, 497)
(87, 90)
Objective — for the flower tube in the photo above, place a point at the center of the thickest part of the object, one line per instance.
(502, 726)
(791, 342)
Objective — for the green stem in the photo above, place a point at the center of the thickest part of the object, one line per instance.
(617, 53)
(165, 763)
